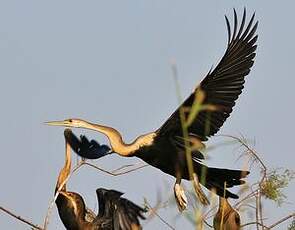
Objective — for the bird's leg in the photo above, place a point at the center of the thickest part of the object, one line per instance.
(179, 194)
(199, 192)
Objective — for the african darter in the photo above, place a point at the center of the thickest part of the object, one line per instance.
(165, 148)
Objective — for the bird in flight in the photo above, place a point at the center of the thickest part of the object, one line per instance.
(167, 147)
(115, 212)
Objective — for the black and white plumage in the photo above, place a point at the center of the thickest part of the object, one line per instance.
(164, 148)
(223, 85)
(115, 212)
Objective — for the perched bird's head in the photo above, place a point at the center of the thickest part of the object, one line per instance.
(71, 209)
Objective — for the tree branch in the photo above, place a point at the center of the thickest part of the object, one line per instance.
(20, 218)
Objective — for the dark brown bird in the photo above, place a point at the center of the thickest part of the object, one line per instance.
(226, 217)
(165, 148)
(115, 212)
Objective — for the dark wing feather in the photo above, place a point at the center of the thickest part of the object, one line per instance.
(85, 148)
(126, 215)
(123, 213)
(222, 86)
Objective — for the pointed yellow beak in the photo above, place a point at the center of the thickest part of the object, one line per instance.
(58, 123)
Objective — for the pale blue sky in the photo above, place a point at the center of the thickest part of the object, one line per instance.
(109, 62)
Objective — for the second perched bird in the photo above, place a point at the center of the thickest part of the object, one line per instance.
(226, 217)
(115, 212)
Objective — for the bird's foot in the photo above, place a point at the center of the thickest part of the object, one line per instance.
(180, 197)
(199, 192)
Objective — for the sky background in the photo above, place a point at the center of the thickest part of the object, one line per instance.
(109, 62)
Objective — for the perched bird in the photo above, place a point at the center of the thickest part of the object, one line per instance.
(226, 217)
(115, 212)
(165, 148)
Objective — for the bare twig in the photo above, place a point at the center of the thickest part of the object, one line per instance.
(115, 172)
(154, 212)
(257, 212)
(209, 225)
(206, 215)
(282, 220)
(252, 223)
(20, 218)
(249, 196)
(259, 207)
(252, 152)
(271, 226)
(122, 167)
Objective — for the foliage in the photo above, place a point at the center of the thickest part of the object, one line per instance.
(275, 181)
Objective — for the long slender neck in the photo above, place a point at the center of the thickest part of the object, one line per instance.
(64, 173)
(116, 141)
(223, 204)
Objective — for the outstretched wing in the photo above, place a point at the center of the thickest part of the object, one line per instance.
(85, 148)
(126, 215)
(222, 86)
(123, 213)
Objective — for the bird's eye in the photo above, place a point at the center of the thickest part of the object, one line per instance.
(70, 120)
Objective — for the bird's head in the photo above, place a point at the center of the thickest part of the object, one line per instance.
(72, 203)
(71, 209)
(72, 122)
